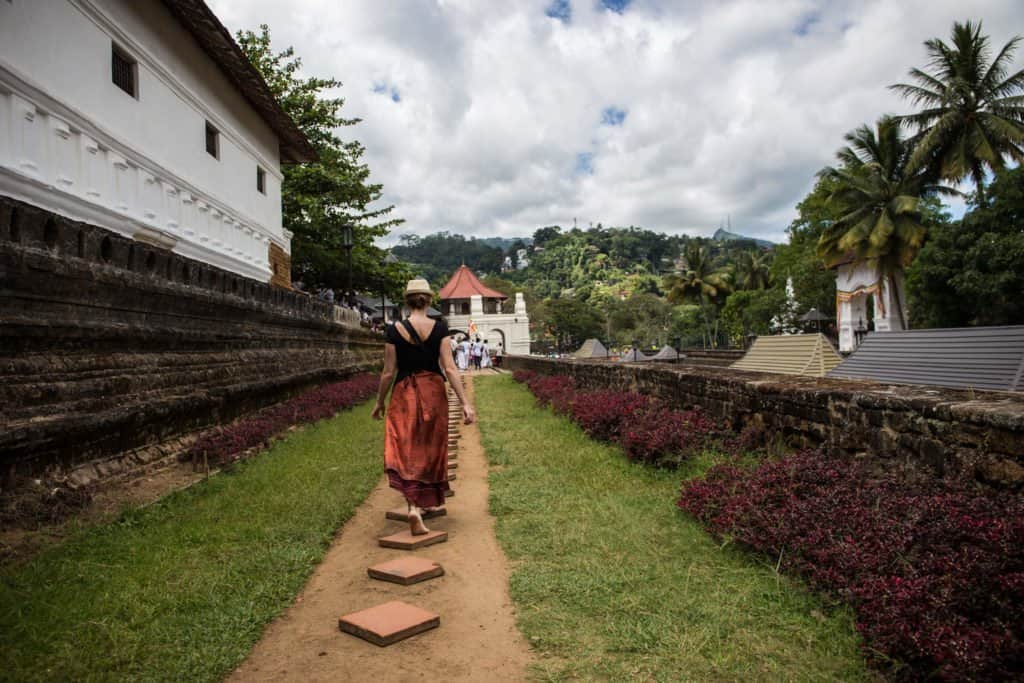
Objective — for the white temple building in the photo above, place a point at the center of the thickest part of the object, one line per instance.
(145, 118)
(855, 282)
(475, 309)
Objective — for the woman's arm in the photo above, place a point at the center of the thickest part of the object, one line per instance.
(387, 376)
(448, 365)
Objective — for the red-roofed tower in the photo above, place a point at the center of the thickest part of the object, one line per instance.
(465, 300)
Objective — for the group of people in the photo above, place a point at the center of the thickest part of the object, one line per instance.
(476, 354)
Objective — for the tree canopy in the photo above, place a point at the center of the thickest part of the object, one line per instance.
(969, 272)
(971, 115)
(319, 198)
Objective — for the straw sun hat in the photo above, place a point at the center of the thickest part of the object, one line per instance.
(418, 286)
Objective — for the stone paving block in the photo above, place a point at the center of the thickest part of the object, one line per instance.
(449, 493)
(406, 570)
(451, 476)
(402, 514)
(389, 622)
(453, 465)
(404, 540)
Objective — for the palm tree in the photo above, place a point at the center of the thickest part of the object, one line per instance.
(703, 282)
(753, 270)
(973, 115)
(876, 196)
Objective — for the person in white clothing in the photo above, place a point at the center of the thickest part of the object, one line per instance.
(463, 355)
(485, 355)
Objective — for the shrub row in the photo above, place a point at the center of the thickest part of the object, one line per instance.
(933, 569)
(648, 431)
(229, 443)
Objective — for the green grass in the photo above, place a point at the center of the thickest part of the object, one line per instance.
(612, 582)
(181, 590)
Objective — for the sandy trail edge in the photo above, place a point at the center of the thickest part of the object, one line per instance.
(477, 639)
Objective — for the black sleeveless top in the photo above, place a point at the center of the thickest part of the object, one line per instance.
(414, 357)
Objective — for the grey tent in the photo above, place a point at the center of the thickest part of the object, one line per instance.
(634, 356)
(592, 348)
(668, 353)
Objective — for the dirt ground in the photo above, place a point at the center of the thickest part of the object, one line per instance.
(22, 543)
(477, 639)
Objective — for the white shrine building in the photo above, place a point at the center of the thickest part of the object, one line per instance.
(856, 281)
(144, 117)
(475, 309)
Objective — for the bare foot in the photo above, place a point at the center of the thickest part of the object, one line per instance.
(416, 525)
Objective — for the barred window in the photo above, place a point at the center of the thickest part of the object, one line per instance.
(212, 141)
(123, 71)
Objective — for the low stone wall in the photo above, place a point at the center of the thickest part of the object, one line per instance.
(949, 432)
(109, 346)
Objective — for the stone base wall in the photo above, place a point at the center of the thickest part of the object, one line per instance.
(110, 346)
(945, 431)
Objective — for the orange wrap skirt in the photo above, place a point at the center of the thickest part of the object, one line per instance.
(416, 439)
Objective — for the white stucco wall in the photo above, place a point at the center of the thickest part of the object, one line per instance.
(514, 329)
(855, 283)
(75, 143)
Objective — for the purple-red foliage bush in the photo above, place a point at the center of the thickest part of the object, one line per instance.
(523, 376)
(226, 444)
(556, 391)
(664, 436)
(648, 432)
(934, 569)
(603, 414)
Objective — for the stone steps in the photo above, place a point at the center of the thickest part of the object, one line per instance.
(389, 623)
(393, 621)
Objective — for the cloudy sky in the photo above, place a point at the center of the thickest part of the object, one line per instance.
(496, 118)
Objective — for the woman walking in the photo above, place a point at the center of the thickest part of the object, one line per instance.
(417, 358)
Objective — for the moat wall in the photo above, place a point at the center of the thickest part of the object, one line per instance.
(944, 431)
(109, 347)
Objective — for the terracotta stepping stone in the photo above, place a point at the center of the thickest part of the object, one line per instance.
(404, 540)
(406, 570)
(389, 623)
(402, 514)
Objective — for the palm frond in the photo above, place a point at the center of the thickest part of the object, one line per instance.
(916, 94)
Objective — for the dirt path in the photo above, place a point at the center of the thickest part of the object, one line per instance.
(477, 639)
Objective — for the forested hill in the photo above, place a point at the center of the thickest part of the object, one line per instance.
(436, 256)
(618, 283)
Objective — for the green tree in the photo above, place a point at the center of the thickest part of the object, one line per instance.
(320, 197)
(814, 285)
(877, 198)
(544, 235)
(969, 272)
(752, 270)
(751, 311)
(973, 112)
(437, 256)
(571, 322)
(704, 282)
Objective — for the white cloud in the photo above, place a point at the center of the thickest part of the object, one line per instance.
(730, 107)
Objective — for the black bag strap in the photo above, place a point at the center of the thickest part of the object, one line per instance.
(412, 332)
